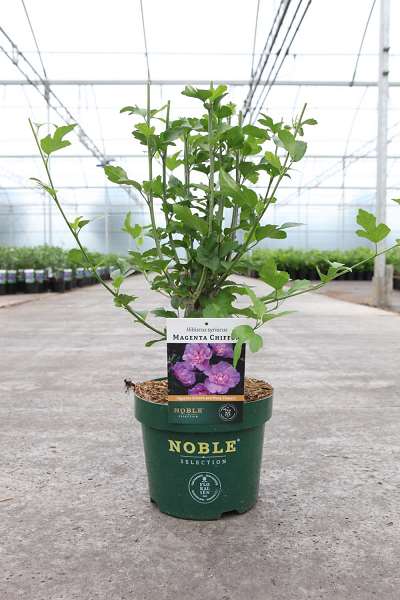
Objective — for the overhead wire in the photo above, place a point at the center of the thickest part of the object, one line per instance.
(34, 39)
(255, 38)
(265, 54)
(146, 52)
(362, 41)
(277, 54)
(268, 81)
(59, 107)
(15, 55)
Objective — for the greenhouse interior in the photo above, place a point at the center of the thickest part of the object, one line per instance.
(174, 177)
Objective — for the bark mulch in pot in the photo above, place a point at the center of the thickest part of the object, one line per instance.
(156, 391)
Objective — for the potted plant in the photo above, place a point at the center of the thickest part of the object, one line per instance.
(201, 173)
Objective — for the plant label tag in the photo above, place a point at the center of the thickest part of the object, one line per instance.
(204, 386)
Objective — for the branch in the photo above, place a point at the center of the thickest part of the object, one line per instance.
(81, 247)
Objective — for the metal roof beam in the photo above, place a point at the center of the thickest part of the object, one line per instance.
(180, 82)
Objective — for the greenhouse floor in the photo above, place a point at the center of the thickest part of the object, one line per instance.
(75, 518)
(359, 292)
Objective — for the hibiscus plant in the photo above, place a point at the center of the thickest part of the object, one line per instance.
(206, 211)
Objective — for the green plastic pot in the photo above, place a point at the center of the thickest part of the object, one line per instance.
(202, 472)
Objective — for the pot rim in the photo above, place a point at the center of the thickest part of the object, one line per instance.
(155, 415)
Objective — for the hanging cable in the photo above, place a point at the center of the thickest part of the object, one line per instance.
(277, 54)
(255, 38)
(146, 52)
(34, 39)
(266, 53)
(270, 82)
(16, 56)
(362, 41)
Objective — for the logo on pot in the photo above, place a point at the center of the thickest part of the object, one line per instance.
(204, 487)
(188, 447)
(227, 412)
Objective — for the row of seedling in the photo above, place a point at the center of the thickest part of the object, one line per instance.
(39, 281)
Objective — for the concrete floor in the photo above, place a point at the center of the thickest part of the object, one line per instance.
(359, 292)
(75, 519)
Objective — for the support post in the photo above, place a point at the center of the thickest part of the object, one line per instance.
(380, 288)
(106, 221)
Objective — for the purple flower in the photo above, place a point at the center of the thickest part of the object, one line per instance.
(221, 377)
(197, 355)
(198, 390)
(184, 373)
(222, 350)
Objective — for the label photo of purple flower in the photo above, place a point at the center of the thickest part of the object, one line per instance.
(183, 371)
(198, 390)
(197, 355)
(204, 369)
(223, 350)
(221, 378)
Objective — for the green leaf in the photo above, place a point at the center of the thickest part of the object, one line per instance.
(396, 200)
(218, 92)
(50, 144)
(288, 225)
(246, 197)
(220, 305)
(122, 300)
(273, 160)
(298, 151)
(227, 184)
(117, 279)
(287, 139)
(256, 132)
(242, 332)
(46, 188)
(162, 312)
(135, 231)
(142, 112)
(335, 270)
(245, 333)
(310, 122)
(258, 307)
(275, 315)
(255, 342)
(184, 214)
(152, 342)
(77, 257)
(144, 129)
(193, 92)
(270, 275)
(237, 352)
(269, 231)
(299, 284)
(267, 122)
(234, 137)
(225, 110)
(371, 231)
(295, 148)
(78, 224)
(134, 110)
(155, 187)
(119, 175)
(207, 254)
(249, 171)
(173, 162)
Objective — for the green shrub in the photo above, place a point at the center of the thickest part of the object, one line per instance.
(302, 264)
(393, 258)
(41, 257)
